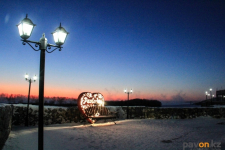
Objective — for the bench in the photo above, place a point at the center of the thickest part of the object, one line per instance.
(91, 106)
(96, 113)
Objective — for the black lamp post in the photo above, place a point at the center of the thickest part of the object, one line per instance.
(28, 101)
(25, 29)
(128, 92)
(206, 93)
(211, 94)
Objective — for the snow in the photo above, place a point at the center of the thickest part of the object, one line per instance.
(218, 106)
(132, 134)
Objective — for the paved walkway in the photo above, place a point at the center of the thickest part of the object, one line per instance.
(140, 134)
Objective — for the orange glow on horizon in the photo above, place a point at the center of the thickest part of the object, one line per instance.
(70, 93)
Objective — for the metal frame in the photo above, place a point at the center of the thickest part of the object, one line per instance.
(43, 46)
(127, 92)
(28, 101)
(49, 46)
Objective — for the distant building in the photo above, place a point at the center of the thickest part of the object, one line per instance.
(220, 95)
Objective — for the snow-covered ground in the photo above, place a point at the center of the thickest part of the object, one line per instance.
(135, 134)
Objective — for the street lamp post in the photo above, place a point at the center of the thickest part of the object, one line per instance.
(206, 93)
(128, 92)
(25, 28)
(211, 94)
(28, 101)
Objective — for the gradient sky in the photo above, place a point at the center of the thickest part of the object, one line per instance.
(165, 50)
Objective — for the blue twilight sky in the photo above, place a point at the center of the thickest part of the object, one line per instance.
(164, 49)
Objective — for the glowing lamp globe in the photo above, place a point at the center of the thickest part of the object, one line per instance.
(25, 28)
(26, 76)
(60, 35)
(35, 78)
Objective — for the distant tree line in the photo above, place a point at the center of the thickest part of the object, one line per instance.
(209, 102)
(54, 101)
(65, 101)
(135, 102)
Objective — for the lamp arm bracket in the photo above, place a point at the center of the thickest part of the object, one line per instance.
(30, 80)
(50, 46)
(28, 42)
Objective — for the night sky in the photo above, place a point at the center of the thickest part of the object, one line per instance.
(164, 50)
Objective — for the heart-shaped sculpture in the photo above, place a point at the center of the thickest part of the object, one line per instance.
(88, 100)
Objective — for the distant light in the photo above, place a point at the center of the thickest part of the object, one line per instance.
(131, 90)
(210, 89)
(206, 93)
(125, 91)
(26, 76)
(35, 78)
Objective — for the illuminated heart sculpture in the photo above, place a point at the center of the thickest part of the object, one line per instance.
(88, 100)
